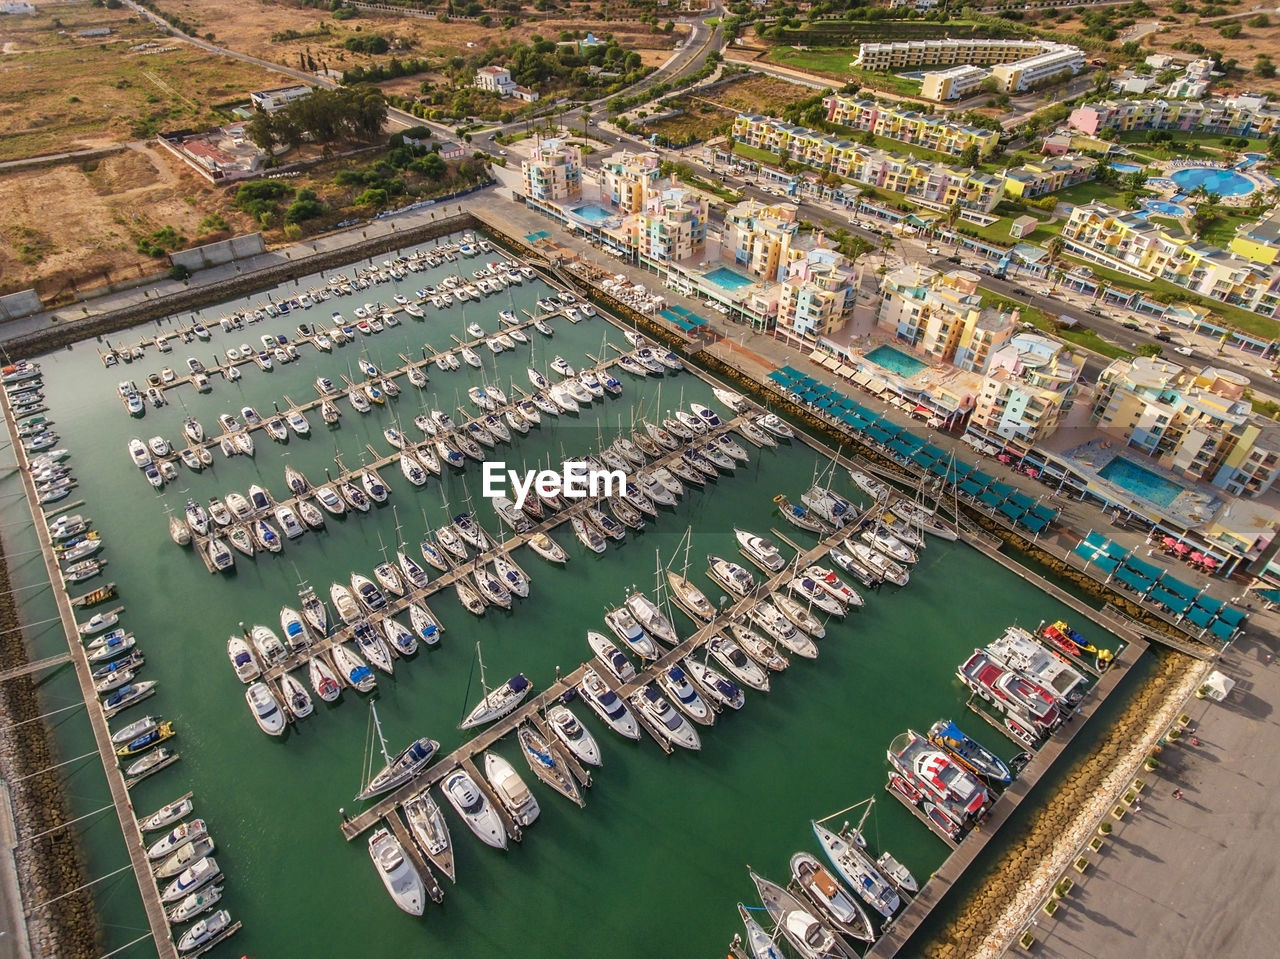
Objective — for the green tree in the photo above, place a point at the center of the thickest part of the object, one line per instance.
(970, 155)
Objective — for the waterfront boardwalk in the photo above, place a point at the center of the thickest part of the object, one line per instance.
(147, 887)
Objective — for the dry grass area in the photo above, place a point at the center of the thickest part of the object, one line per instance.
(758, 93)
(248, 27)
(82, 221)
(62, 92)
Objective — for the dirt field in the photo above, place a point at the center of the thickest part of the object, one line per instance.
(249, 27)
(81, 220)
(758, 94)
(61, 92)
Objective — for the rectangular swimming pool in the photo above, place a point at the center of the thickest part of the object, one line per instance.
(727, 279)
(1140, 481)
(896, 361)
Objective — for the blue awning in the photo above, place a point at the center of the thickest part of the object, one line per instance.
(1231, 615)
(1012, 511)
(989, 498)
(1002, 490)
(970, 488)
(934, 451)
(1033, 522)
(1021, 500)
(910, 438)
(942, 468)
(1179, 588)
(922, 456)
(1222, 629)
(1135, 581)
(901, 448)
(1045, 513)
(1151, 572)
(1200, 617)
(981, 478)
(1177, 605)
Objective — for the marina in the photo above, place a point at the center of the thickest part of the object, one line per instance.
(249, 783)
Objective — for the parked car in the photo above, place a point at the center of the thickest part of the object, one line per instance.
(932, 250)
(1164, 337)
(1131, 325)
(1184, 350)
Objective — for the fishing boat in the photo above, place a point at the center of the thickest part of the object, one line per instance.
(836, 904)
(811, 938)
(611, 657)
(800, 517)
(199, 874)
(969, 752)
(353, 670)
(265, 708)
(607, 704)
(431, 832)
(205, 932)
(668, 722)
(944, 781)
(470, 802)
(857, 869)
(323, 679)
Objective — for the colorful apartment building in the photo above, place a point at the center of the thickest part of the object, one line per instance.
(758, 237)
(1244, 115)
(818, 292)
(1030, 384)
(1198, 425)
(1259, 242)
(1129, 244)
(553, 172)
(954, 83)
(628, 178)
(670, 227)
(941, 315)
(910, 126)
(1048, 175)
(931, 183)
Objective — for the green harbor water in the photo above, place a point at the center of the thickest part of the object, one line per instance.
(655, 863)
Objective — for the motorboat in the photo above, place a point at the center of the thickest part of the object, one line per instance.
(732, 576)
(469, 802)
(834, 902)
(575, 736)
(199, 874)
(511, 790)
(877, 490)
(139, 453)
(611, 657)
(97, 623)
(944, 781)
(430, 831)
(878, 563)
(498, 702)
(205, 932)
(186, 832)
(289, 522)
(631, 633)
(806, 589)
(1025, 701)
(858, 870)
(184, 855)
(369, 596)
(138, 727)
(167, 815)
(761, 551)
(397, 872)
(219, 513)
(774, 424)
(739, 665)
(675, 683)
(330, 501)
(194, 905)
(811, 938)
(669, 723)
(242, 660)
(607, 704)
(718, 686)
(768, 617)
(150, 762)
(265, 708)
(1018, 650)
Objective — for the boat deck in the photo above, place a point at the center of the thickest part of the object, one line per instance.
(401, 832)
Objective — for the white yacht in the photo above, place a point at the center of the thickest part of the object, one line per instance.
(469, 801)
(511, 790)
(397, 872)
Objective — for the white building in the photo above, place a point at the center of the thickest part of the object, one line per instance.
(269, 101)
(495, 80)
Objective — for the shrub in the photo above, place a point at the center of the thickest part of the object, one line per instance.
(372, 197)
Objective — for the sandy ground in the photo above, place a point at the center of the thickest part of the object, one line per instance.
(82, 220)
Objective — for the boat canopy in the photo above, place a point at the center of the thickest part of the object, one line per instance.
(517, 683)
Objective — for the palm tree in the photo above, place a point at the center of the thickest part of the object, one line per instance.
(1054, 248)
(953, 214)
(886, 244)
(586, 117)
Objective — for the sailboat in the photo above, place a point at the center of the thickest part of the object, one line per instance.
(431, 832)
(498, 702)
(399, 768)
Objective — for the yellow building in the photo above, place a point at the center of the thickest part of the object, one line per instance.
(628, 178)
(909, 126)
(1048, 175)
(553, 172)
(1259, 242)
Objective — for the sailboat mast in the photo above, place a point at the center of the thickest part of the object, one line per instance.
(377, 725)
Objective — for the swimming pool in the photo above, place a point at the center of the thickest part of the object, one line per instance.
(1221, 182)
(1249, 159)
(1126, 167)
(896, 361)
(1140, 481)
(1164, 208)
(592, 213)
(727, 279)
